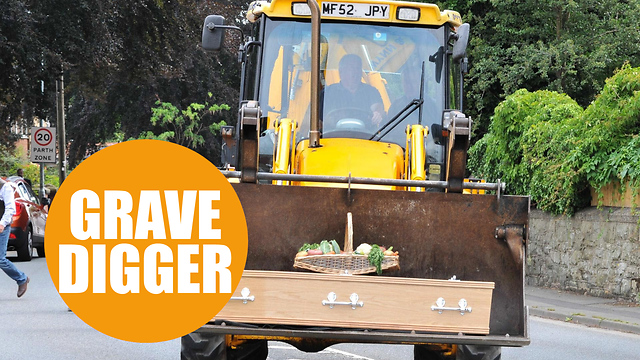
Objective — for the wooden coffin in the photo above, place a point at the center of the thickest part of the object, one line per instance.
(390, 303)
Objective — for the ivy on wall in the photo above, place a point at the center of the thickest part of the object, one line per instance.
(610, 150)
(545, 145)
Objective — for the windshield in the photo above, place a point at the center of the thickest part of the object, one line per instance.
(369, 74)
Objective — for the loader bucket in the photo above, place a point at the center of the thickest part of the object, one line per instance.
(438, 235)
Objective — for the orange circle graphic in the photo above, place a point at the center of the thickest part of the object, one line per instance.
(146, 241)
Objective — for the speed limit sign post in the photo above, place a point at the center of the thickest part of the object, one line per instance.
(43, 145)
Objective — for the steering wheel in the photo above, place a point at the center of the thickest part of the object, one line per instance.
(348, 119)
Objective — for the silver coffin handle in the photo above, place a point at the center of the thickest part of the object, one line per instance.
(462, 306)
(245, 296)
(332, 297)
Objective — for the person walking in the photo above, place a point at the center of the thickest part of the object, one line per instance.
(7, 210)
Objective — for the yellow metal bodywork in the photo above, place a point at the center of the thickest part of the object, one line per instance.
(430, 14)
(414, 161)
(283, 155)
(474, 191)
(350, 157)
(417, 135)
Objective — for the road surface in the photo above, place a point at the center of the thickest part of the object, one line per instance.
(39, 326)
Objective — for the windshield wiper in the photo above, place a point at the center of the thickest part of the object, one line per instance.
(403, 114)
(398, 118)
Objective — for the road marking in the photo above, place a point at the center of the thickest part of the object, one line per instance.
(327, 350)
(353, 356)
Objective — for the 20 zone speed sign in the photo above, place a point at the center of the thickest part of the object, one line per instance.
(43, 145)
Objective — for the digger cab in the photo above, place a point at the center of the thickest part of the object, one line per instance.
(405, 77)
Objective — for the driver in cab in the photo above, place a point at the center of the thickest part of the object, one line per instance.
(351, 98)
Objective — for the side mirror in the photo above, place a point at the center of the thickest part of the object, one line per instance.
(213, 33)
(460, 47)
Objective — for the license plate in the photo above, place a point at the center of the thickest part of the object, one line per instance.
(367, 11)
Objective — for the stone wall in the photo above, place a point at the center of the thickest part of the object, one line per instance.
(596, 251)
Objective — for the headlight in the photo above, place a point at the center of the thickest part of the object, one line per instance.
(300, 9)
(408, 14)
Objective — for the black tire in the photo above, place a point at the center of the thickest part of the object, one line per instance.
(204, 346)
(478, 352)
(252, 350)
(425, 352)
(464, 352)
(40, 250)
(25, 252)
(200, 346)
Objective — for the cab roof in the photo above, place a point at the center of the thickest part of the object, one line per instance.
(357, 10)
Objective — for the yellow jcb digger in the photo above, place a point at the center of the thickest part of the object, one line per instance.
(351, 133)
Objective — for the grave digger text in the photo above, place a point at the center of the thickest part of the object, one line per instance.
(164, 264)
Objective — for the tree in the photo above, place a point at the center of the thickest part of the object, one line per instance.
(564, 46)
(21, 59)
(119, 58)
(185, 127)
(157, 57)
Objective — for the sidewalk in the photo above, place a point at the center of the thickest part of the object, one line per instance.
(582, 309)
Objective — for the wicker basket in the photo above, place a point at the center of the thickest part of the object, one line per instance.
(347, 263)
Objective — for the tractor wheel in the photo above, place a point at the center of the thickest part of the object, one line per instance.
(464, 352)
(252, 350)
(426, 352)
(478, 352)
(204, 346)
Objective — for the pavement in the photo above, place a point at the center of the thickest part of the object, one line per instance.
(592, 311)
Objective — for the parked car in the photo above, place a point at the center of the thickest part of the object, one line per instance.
(27, 228)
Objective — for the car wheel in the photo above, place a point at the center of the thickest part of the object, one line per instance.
(40, 249)
(25, 252)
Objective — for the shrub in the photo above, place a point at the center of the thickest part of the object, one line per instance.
(543, 144)
(610, 149)
(524, 118)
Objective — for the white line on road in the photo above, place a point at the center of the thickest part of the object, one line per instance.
(327, 350)
(354, 356)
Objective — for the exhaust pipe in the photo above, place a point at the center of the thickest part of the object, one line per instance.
(314, 127)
